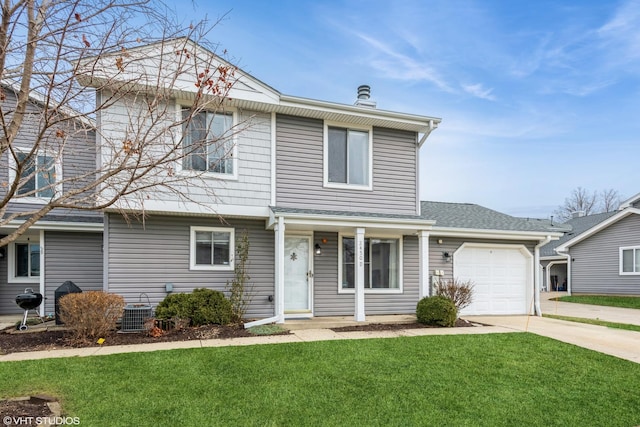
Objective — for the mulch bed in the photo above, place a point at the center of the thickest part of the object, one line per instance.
(12, 341)
(460, 323)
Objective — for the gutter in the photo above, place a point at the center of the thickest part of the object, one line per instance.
(536, 284)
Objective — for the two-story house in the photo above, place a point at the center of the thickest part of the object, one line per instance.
(65, 244)
(327, 192)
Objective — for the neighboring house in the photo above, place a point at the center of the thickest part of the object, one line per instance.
(554, 264)
(602, 253)
(64, 245)
(328, 194)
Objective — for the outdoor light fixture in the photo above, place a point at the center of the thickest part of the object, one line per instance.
(318, 249)
(2, 250)
(446, 256)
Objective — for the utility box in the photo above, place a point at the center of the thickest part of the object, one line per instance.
(66, 288)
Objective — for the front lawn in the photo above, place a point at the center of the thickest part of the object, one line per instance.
(611, 301)
(492, 380)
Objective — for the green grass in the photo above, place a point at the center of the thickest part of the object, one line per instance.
(599, 322)
(611, 301)
(474, 380)
(267, 329)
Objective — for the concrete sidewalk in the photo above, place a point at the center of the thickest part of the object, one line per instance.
(610, 314)
(297, 335)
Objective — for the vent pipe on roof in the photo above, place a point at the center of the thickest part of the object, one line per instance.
(364, 97)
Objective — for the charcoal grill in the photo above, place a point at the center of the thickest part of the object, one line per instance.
(28, 300)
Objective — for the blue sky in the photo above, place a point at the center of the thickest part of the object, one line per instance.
(536, 98)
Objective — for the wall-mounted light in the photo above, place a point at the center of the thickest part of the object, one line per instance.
(446, 256)
(2, 252)
(318, 249)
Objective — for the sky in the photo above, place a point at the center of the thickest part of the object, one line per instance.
(536, 98)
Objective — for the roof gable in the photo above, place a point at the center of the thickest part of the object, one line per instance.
(612, 219)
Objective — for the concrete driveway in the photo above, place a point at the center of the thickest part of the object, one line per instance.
(615, 342)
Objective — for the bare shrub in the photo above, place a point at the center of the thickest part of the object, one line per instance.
(458, 291)
(90, 315)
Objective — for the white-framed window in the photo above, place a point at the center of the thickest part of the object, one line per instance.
(40, 177)
(348, 157)
(209, 143)
(382, 264)
(211, 248)
(24, 260)
(630, 260)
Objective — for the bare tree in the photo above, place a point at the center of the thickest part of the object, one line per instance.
(584, 202)
(610, 200)
(64, 65)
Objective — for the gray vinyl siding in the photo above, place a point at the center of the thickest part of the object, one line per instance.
(79, 156)
(300, 173)
(327, 300)
(451, 244)
(143, 258)
(8, 291)
(595, 268)
(75, 256)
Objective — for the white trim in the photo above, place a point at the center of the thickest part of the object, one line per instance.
(293, 314)
(399, 289)
(537, 271)
(192, 248)
(279, 269)
(42, 271)
(423, 264)
(11, 259)
(274, 147)
(358, 273)
(471, 233)
(192, 208)
(342, 221)
(58, 226)
(181, 105)
(630, 201)
(57, 165)
(620, 264)
(596, 228)
(563, 260)
(325, 156)
(530, 286)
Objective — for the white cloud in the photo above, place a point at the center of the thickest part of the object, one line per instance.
(479, 91)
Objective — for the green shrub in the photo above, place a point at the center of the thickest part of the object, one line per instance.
(90, 315)
(202, 306)
(437, 311)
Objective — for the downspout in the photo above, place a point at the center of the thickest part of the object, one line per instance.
(536, 285)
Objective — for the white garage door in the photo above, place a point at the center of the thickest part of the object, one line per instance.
(502, 278)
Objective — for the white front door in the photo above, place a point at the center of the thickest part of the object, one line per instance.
(297, 274)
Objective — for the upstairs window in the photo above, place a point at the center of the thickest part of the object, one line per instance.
(38, 177)
(348, 157)
(208, 143)
(630, 260)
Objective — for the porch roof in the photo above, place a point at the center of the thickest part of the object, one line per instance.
(335, 220)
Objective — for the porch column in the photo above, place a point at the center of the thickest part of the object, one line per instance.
(423, 251)
(279, 270)
(359, 275)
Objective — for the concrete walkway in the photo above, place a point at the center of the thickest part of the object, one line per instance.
(615, 342)
(610, 314)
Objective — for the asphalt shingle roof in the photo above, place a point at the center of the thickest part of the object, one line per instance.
(576, 227)
(472, 216)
